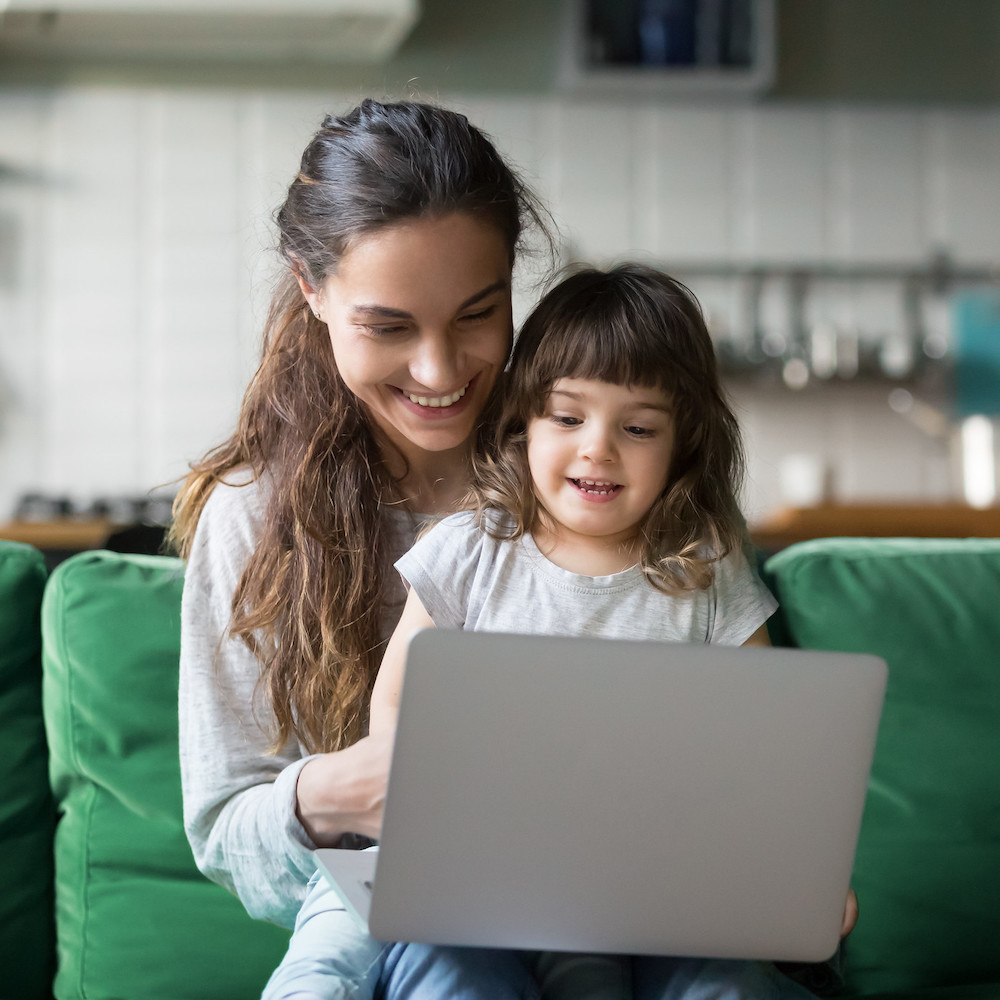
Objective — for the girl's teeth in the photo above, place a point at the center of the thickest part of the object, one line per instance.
(596, 486)
(438, 400)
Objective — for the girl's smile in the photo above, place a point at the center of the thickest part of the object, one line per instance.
(596, 492)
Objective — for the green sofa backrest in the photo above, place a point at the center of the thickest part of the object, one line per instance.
(136, 920)
(27, 814)
(134, 917)
(927, 870)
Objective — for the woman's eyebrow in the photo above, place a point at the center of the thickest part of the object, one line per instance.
(384, 311)
(372, 309)
(497, 286)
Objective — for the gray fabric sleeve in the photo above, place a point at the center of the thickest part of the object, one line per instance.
(442, 566)
(742, 601)
(239, 799)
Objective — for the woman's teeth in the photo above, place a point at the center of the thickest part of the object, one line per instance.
(437, 400)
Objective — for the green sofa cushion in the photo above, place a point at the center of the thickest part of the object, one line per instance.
(928, 864)
(134, 917)
(27, 814)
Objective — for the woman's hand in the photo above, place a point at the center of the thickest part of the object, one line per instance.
(344, 792)
(850, 913)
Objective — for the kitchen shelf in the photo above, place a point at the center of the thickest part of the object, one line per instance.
(888, 519)
(587, 73)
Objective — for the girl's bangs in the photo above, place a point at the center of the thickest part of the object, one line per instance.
(594, 348)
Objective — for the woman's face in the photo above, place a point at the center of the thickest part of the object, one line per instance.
(419, 316)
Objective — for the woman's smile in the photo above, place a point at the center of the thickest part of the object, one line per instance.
(419, 317)
(431, 407)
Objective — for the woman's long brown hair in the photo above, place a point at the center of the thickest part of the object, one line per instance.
(630, 325)
(310, 600)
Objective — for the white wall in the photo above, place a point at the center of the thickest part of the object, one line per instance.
(135, 236)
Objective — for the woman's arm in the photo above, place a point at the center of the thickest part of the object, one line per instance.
(239, 798)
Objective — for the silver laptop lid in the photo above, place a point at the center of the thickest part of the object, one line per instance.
(632, 797)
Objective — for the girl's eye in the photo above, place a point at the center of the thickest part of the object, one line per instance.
(640, 431)
(566, 421)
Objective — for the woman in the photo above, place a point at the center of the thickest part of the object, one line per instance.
(400, 233)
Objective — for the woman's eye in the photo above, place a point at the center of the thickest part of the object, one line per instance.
(481, 315)
(383, 331)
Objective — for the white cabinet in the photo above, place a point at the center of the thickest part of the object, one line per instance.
(355, 31)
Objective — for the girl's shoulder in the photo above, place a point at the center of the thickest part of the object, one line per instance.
(465, 533)
(491, 523)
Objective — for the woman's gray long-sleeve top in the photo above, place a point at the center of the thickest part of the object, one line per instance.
(239, 798)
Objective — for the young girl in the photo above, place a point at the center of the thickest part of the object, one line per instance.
(606, 503)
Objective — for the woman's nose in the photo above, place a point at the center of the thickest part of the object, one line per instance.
(435, 363)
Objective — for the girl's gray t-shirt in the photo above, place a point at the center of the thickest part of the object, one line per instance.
(467, 579)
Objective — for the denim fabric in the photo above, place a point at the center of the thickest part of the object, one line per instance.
(711, 979)
(615, 977)
(331, 958)
(329, 955)
(583, 976)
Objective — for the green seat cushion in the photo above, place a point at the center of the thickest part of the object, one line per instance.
(927, 871)
(134, 917)
(27, 815)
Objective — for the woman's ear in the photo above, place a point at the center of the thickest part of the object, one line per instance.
(311, 295)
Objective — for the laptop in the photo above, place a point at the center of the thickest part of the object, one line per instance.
(579, 794)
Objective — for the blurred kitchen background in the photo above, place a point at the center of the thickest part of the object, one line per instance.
(825, 174)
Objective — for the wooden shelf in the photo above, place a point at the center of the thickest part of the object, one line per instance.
(67, 535)
(874, 520)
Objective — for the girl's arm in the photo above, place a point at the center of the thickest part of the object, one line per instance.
(345, 791)
(389, 683)
(759, 638)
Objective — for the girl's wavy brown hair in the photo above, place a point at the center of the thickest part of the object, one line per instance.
(631, 325)
(310, 599)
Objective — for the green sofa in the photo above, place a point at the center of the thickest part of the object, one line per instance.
(99, 896)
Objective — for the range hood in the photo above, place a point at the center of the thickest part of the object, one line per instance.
(353, 31)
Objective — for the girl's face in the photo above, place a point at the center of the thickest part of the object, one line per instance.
(419, 316)
(599, 457)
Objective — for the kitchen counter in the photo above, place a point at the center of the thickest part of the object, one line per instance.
(68, 534)
(874, 520)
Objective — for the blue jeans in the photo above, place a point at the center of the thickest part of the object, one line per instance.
(641, 977)
(331, 958)
(656, 978)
